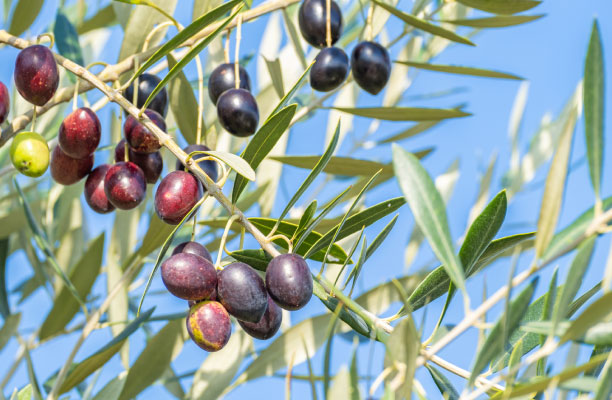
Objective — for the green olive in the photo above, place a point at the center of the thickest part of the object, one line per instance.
(30, 154)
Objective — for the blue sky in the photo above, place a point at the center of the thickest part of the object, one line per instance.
(548, 53)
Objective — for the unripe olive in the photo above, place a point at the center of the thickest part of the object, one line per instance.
(30, 154)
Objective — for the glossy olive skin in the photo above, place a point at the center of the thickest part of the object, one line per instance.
(312, 19)
(146, 85)
(5, 102)
(151, 164)
(67, 170)
(189, 277)
(212, 297)
(79, 133)
(209, 166)
(237, 112)
(193, 248)
(176, 195)
(223, 78)
(289, 281)
(36, 74)
(30, 154)
(125, 185)
(209, 325)
(329, 70)
(371, 66)
(94, 190)
(140, 139)
(242, 292)
(268, 324)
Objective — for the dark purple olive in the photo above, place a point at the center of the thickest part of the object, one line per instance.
(94, 190)
(146, 84)
(189, 277)
(151, 164)
(371, 66)
(125, 185)
(223, 78)
(312, 18)
(268, 324)
(140, 139)
(79, 133)
(209, 325)
(238, 113)
(210, 167)
(5, 102)
(36, 74)
(329, 70)
(193, 248)
(176, 195)
(242, 292)
(289, 281)
(67, 170)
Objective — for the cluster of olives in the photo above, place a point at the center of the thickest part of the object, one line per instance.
(236, 290)
(370, 63)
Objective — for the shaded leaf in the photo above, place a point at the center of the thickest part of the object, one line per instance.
(276, 74)
(24, 15)
(460, 70)
(404, 113)
(67, 40)
(83, 275)
(345, 166)
(104, 17)
(593, 97)
(495, 342)
(183, 104)
(402, 348)
(501, 6)
(593, 314)
(263, 142)
(9, 328)
(424, 25)
(5, 308)
(410, 132)
(498, 21)
(446, 388)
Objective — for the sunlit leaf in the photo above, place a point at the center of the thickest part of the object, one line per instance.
(460, 70)
(276, 74)
(24, 15)
(404, 113)
(183, 104)
(498, 21)
(9, 328)
(402, 348)
(444, 385)
(104, 17)
(501, 6)
(593, 314)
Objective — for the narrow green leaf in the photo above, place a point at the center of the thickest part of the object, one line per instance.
(380, 238)
(36, 395)
(460, 70)
(306, 218)
(184, 104)
(403, 347)
(337, 165)
(404, 113)
(444, 385)
(67, 40)
(501, 6)
(436, 283)
(25, 393)
(355, 222)
(5, 308)
(104, 17)
(331, 147)
(494, 344)
(498, 21)
(41, 241)
(276, 75)
(295, 37)
(155, 358)
(80, 371)
(83, 275)
(542, 383)
(593, 97)
(195, 50)
(190, 30)
(9, 328)
(575, 276)
(598, 335)
(604, 387)
(263, 142)
(554, 187)
(428, 210)
(593, 314)
(24, 15)
(424, 25)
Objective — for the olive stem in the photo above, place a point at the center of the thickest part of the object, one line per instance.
(33, 126)
(328, 38)
(228, 225)
(369, 27)
(226, 48)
